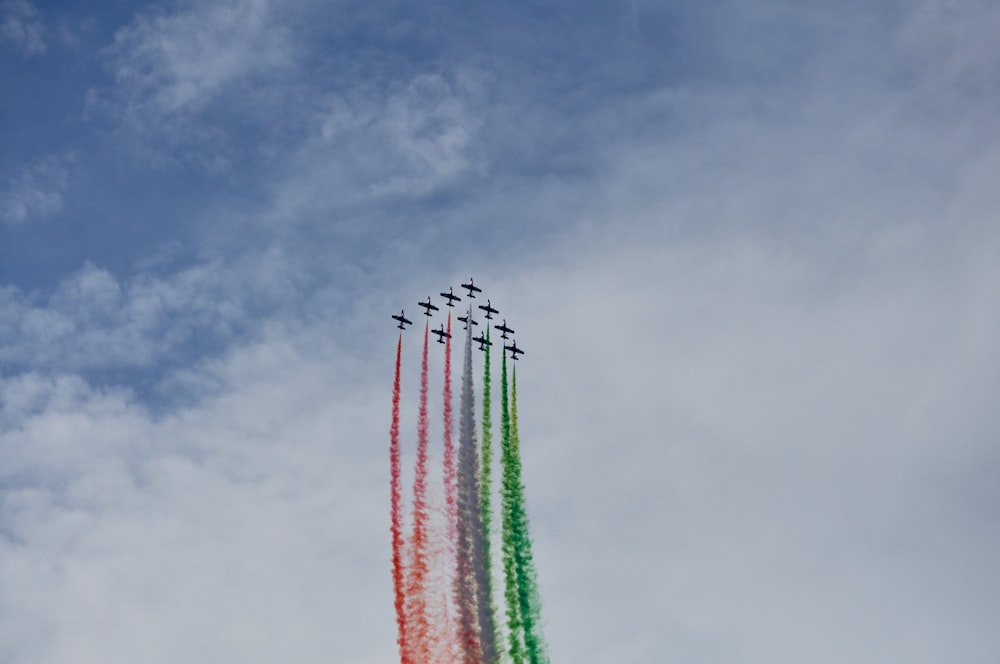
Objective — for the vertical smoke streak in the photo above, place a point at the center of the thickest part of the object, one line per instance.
(468, 524)
(449, 645)
(451, 541)
(418, 623)
(398, 571)
(528, 595)
(508, 494)
(450, 488)
(480, 565)
(485, 497)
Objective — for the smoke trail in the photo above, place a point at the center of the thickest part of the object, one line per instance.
(450, 487)
(418, 624)
(465, 577)
(529, 598)
(449, 646)
(508, 494)
(397, 515)
(480, 564)
(485, 496)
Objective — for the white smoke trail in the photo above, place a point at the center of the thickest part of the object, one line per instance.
(469, 521)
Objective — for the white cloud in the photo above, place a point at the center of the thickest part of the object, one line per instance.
(125, 536)
(37, 191)
(170, 63)
(757, 405)
(21, 24)
(953, 44)
(413, 140)
(190, 81)
(730, 453)
(95, 321)
(754, 455)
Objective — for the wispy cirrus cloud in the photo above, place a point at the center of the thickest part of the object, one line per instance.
(21, 24)
(36, 191)
(189, 82)
(954, 46)
(411, 138)
(170, 63)
(422, 133)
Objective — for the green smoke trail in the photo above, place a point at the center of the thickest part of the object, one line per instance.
(485, 492)
(529, 599)
(508, 494)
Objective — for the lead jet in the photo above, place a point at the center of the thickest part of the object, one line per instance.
(441, 334)
(482, 341)
(514, 350)
(504, 329)
(450, 297)
(428, 307)
(489, 310)
(403, 320)
(468, 320)
(472, 288)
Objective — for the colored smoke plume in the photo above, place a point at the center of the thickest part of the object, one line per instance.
(418, 624)
(396, 513)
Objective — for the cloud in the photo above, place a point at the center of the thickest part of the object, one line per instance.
(188, 84)
(94, 321)
(759, 304)
(413, 140)
(740, 453)
(37, 191)
(165, 64)
(124, 535)
(21, 24)
(952, 45)
(753, 454)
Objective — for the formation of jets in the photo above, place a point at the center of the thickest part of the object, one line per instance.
(450, 299)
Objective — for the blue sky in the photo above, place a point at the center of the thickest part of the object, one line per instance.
(751, 248)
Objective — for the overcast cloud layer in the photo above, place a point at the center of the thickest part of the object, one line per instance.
(750, 249)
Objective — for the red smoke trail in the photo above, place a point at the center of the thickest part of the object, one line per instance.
(418, 624)
(450, 492)
(397, 516)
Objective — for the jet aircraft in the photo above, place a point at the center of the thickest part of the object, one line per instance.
(489, 310)
(514, 350)
(403, 320)
(441, 334)
(468, 320)
(504, 329)
(482, 341)
(428, 307)
(472, 288)
(450, 297)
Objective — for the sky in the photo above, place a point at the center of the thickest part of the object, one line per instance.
(751, 250)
